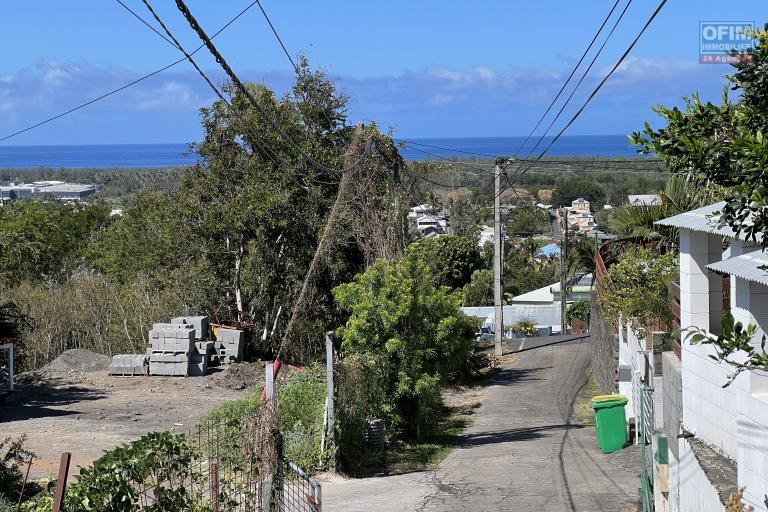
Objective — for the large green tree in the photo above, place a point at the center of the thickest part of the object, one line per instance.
(723, 145)
(451, 260)
(415, 329)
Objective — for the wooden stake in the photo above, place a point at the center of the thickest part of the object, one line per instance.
(61, 483)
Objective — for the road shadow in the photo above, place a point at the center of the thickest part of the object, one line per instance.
(513, 435)
(515, 375)
(40, 402)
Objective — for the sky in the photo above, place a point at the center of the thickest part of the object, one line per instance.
(423, 68)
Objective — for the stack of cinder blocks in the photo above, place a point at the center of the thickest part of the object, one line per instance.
(229, 346)
(182, 348)
(129, 364)
(171, 347)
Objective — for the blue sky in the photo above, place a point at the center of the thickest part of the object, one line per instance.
(426, 68)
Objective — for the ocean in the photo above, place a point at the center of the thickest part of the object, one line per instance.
(167, 155)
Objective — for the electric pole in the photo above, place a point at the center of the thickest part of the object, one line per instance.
(563, 271)
(498, 243)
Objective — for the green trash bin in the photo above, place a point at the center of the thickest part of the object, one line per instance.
(610, 422)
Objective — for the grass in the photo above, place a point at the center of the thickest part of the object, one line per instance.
(583, 414)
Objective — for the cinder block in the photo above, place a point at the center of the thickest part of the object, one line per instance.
(168, 358)
(199, 323)
(169, 369)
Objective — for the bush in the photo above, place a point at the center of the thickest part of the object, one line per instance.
(525, 326)
(301, 403)
(414, 329)
(579, 310)
(113, 482)
(13, 457)
(360, 397)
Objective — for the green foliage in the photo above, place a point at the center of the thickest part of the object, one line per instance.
(13, 457)
(724, 144)
(525, 327)
(301, 404)
(416, 329)
(450, 259)
(527, 219)
(361, 397)
(735, 346)
(572, 186)
(235, 411)
(479, 290)
(636, 288)
(113, 482)
(45, 239)
(579, 310)
(677, 197)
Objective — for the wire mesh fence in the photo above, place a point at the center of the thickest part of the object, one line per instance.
(234, 465)
(298, 491)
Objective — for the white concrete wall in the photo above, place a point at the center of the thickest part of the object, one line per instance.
(696, 492)
(733, 419)
(709, 410)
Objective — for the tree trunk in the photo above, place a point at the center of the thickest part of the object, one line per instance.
(238, 292)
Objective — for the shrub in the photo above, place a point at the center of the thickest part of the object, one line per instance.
(635, 288)
(12, 457)
(525, 326)
(301, 403)
(360, 397)
(416, 330)
(114, 481)
(579, 310)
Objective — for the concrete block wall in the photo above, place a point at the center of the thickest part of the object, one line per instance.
(229, 346)
(604, 364)
(200, 324)
(709, 410)
(697, 493)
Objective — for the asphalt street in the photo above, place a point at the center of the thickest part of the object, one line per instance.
(523, 451)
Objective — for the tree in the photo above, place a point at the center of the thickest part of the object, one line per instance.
(677, 197)
(723, 145)
(571, 186)
(479, 290)
(581, 256)
(636, 288)
(450, 259)
(415, 329)
(527, 219)
(45, 239)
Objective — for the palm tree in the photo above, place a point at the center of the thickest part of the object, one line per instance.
(679, 196)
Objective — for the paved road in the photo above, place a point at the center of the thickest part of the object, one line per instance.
(522, 453)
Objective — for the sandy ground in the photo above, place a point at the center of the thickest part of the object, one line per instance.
(88, 413)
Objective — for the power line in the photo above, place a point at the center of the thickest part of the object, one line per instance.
(581, 79)
(567, 80)
(461, 151)
(126, 86)
(241, 87)
(142, 20)
(597, 88)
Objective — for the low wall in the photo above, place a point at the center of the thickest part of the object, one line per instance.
(604, 364)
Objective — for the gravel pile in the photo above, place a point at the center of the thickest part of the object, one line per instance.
(78, 359)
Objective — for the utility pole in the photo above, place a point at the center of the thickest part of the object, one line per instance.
(563, 271)
(498, 243)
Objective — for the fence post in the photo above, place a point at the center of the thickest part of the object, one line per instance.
(329, 382)
(213, 478)
(269, 376)
(279, 477)
(61, 483)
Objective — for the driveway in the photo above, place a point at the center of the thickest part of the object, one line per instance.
(522, 453)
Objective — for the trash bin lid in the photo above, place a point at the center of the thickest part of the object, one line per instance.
(601, 401)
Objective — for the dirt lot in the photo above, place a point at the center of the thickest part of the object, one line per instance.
(73, 405)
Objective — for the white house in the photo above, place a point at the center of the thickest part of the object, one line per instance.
(645, 200)
(721, 439)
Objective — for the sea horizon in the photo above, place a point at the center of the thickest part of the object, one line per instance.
(418, 148)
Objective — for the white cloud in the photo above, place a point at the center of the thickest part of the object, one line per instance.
(437, 100)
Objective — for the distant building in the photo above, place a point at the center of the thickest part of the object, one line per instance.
(486, 236)
(72, 192)
(645, 200)
(580, 205)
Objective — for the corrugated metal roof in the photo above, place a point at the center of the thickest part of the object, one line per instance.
(747, 266)
(701, 219)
